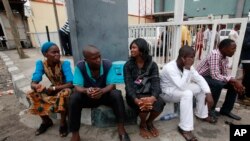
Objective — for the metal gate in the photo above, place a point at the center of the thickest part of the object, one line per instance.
(164, 41)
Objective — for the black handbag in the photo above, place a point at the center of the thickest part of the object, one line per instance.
(143, 81)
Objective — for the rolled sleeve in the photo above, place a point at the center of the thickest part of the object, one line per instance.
(78, 78)
(39, 71)
(67, 72)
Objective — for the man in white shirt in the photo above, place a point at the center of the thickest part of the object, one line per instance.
(179, 83)
(207, 37)
(234, 33)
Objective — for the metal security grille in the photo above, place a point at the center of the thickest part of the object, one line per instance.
(164, 42)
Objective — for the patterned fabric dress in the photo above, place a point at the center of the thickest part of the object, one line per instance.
(44, 104)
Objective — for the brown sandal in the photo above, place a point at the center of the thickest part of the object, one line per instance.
(188, 135)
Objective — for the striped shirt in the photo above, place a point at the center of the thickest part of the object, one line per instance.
(199, 38)
(215, 65)
(65, 28)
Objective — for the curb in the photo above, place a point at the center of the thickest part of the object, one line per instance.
(21, 84)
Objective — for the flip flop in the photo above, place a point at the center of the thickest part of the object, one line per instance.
(43, 127)
(188, 135)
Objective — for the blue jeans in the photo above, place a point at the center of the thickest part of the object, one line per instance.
(216, 86)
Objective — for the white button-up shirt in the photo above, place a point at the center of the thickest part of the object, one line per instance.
(173, 78)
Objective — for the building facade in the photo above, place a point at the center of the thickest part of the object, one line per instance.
(40, 14)
(204, 8)
(6, 36)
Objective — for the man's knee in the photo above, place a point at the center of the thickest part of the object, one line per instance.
(74, 99)
(116, 94)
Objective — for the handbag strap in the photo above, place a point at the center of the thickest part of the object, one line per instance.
(147, 71)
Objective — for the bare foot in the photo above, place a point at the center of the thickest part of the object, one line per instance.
(144, 132)
(152, 129)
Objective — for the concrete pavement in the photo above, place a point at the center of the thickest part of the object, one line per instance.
(22, 69)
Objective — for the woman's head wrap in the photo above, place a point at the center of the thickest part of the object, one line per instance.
(46, 46)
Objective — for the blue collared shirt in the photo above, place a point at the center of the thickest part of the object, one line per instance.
(79, 80)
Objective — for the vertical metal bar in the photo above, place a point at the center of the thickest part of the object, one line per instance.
(139, 9)
(56, 16)
(57, 25)
(238, 49)
(178, 19)
(47, 32)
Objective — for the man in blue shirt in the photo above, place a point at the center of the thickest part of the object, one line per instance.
(93, 88)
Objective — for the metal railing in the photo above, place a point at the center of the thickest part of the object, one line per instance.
(163, 49)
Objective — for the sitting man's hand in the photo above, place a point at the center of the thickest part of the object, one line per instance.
(209, 100)
(239, 88)
(188, 62)
(95, 93)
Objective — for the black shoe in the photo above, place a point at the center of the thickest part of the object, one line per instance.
(43, 127)
(124, 137)
(63, 130)
(214, 114)
(231, 115)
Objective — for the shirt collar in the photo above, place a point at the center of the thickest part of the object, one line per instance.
(221, 56)
(88, 70)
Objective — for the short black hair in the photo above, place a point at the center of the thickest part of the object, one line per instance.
(225, 43)
(185, 51)
(87, 49)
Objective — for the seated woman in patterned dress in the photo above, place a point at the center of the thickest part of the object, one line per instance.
(52, 99)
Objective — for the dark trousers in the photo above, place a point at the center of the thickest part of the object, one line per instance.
(246, 78)
(78, 101)
(65, 42)
(216, 86)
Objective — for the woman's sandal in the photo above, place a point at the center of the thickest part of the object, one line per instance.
(63, 130)
(43, 127)
(188, 135)
(208, 119)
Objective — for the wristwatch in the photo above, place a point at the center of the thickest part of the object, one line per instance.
(54, 88)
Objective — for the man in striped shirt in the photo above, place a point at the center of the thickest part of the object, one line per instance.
(64, 34)
(214, 70)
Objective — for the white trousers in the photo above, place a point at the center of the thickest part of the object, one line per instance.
(185, 97)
